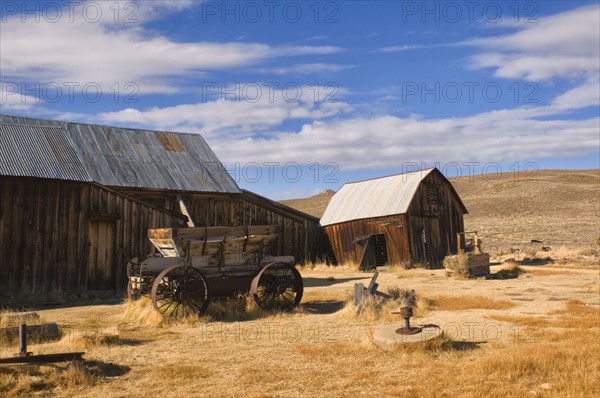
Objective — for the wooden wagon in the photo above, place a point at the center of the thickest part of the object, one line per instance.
(191, 266)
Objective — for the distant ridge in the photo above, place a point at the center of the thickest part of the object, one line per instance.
(557, 207)
(315, 205)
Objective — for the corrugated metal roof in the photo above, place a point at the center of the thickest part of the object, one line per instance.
(39, 151)
(110, 156)
(378, 197)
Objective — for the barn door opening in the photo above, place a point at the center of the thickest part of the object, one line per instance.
(373, 251)
(101, 256)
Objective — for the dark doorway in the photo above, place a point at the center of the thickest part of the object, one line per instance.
(380, 249)
(373, 251)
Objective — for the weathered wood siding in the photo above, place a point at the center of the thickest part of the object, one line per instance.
(434, 217)
(343, 237)
(301, 235)
(425, 234)
(72, 237)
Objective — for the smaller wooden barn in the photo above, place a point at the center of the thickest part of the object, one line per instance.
(400, 219)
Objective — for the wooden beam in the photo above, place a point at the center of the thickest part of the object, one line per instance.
(212, 232)
(185, 212)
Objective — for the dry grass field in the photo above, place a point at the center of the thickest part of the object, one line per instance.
(534, 335)
(533, 331)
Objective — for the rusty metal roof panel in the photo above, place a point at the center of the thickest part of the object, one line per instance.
(115, 156)
(377, 197)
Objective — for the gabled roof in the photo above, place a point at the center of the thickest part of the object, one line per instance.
(111, 156)
(377, 197)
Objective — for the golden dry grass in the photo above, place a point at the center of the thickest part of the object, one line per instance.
(548, 272)
(460, 303)
(322, 351)
(574, 315)
(529, 321)
(41, 380)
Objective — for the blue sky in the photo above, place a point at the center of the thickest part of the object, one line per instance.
(298, 97)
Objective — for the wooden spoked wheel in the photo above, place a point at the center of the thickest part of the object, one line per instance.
(180, 291)
(277, 287)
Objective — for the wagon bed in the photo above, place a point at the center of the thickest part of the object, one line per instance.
(193, 265)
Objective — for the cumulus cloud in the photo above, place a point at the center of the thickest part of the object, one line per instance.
(386, 141)
(237, 117)
(304, 69)
(565, 45)
(82, 47)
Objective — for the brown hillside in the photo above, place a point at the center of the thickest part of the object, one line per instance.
(557, 207)
(315, 205)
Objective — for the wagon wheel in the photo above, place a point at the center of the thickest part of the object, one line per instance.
(180, 290)
(277, 287)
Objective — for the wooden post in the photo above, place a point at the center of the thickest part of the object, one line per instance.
(460, 243)
(22, 340)
(359, 291)
(373, 285)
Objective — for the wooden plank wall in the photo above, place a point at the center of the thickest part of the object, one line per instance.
(342, 237)
(72, 237)
(440, 221)
(301, 235)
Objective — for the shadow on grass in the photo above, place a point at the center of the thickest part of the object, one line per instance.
(442, 343)
(323, 307)
(465, 345)
(328, 281)
(28, 303)
(129, 342)
(536, 261)
(105, 369)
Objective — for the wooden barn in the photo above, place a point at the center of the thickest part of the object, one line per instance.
(76, 201)
(401, 219)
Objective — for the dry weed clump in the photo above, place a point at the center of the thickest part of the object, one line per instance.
(587, 251)
(329, 268)
(459, 264)
(141, 313)
(41, 380)
(379, 309)
(238, 308)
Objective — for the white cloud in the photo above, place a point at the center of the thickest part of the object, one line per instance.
(12, 99)
(388, 141)
(565, 45)
(247, 132)
(587, 94)
(398, 48)
(306, 69)
(236, 118)
(104, 52)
